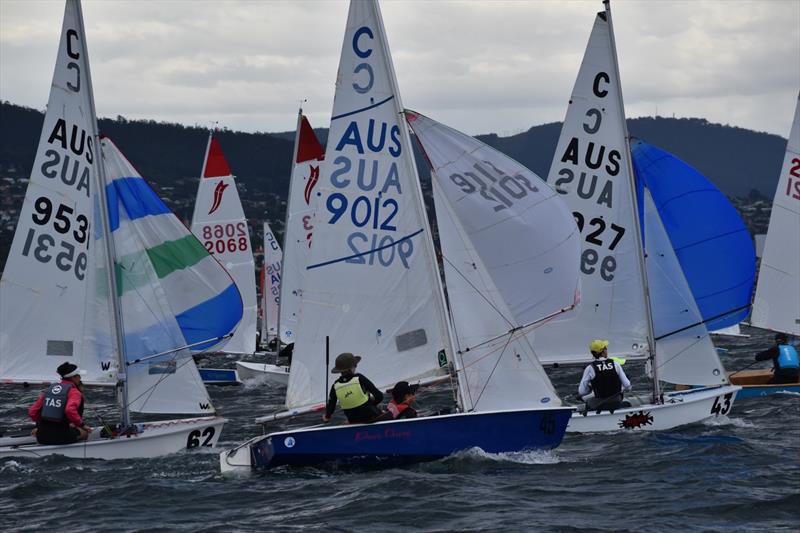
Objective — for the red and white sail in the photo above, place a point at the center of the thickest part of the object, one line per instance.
(306, 164)
(221, 226)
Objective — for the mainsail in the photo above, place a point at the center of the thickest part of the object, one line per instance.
(219, 223)
(777, 302)
(510, 250)
(371, 279)
(174, 297)
(273, 260)
(53, 305)
(308, 156)
(591, 170)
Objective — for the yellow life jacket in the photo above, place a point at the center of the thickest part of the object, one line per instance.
(350, 394)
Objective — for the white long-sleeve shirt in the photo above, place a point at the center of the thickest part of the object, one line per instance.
(588, 375)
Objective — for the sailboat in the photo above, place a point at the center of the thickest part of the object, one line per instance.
(299, 226)
(592, 171)
(776, 305)
(219, 223)
(372, 288)
(97, 276)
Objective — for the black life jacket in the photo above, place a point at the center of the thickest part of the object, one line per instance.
(55, 402)
(606, 382)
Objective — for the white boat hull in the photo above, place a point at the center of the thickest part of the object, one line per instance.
(153, 440)
(678, 409)
(270, 373)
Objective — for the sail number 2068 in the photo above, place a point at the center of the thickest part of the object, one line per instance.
(221, 238)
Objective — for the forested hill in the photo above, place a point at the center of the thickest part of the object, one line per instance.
(735, 159)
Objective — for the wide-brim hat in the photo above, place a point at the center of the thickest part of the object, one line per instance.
(401, 389)
(344, 362)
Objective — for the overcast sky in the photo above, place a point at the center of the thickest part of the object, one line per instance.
(479, 66)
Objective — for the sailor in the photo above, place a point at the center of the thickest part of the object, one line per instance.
(399, 407)
(605, 378)
(357, 395)
(58, 412)
(785, 362)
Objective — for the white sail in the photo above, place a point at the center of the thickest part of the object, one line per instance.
(684, 352)
(498, 369)
(172, 294)
(308, 156)
(371, 280)
(221, 226)
(273, 259)
(50, 308)
(525, 234)
(777, 302)
(590, 169)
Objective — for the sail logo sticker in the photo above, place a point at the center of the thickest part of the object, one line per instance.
(313, 178)
(289, 442)
(636, 420)
(220, 188)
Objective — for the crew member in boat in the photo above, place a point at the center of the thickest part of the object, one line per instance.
(58, 412)
(785, 362)
(357, 395)
(400, 407)
(605, 378)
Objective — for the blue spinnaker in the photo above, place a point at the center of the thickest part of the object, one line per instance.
(712, 243)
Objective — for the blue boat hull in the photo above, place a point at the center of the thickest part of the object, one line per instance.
(754, 391)
(219, 376)
(413, 440)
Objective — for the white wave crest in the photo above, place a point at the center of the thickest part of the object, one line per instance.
(726, 421)
(532, 457)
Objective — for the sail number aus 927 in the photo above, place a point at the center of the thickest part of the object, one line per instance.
(598, 236)
(45, 247)
(221, 238)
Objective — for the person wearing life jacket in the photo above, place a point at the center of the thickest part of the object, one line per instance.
(357, 395)
(58, 412)
(400, 405)
(605, 378)
(785, 362)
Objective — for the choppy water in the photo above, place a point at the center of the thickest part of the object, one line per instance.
(740, 473)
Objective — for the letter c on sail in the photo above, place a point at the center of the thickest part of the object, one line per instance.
(363, 30)
(220, 188)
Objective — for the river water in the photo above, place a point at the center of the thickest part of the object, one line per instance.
(740, 472)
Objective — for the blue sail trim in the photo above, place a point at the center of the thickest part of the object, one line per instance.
(136, 196)
(211, 319)
(712, 243)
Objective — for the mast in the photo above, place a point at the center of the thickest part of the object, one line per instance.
(637, 229)
(286, 225)
(109, 240)
(408, 154)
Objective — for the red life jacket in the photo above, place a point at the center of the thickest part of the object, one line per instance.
(396, 408)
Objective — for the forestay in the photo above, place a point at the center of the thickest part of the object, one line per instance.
(50, 307)
(273, 260)
(710, 239)
(511, 250)
(172, 294)
(371, 280)
(590, 170)
(306, 163)
(219, 222)
(684, 352)
(777, 302)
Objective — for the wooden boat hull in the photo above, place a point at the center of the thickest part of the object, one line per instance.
(754, 383)
(678, 409)
(153, 440)
(270, 373)
(401, 441)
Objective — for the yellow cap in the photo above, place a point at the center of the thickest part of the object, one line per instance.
(598, 345)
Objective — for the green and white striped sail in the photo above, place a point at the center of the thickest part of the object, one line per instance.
(174, 297)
